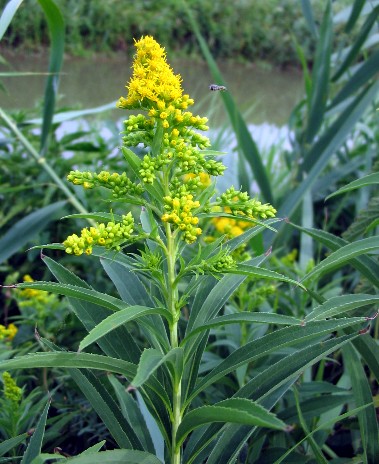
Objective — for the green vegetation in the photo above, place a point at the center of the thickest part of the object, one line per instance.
(251, 30)
(209, 331)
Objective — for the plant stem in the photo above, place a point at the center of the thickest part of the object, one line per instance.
(172, 300)
(42, 161)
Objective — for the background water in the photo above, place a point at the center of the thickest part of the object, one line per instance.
(265, 95)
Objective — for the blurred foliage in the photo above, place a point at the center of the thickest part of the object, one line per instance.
(250, 30)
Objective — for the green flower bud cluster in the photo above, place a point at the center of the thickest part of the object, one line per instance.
(138, 129)
(241, 204)
(223, 263)
(12, 392)
(179, 207)
(189, 159)
(119, 184)
(151, 165)
(111, 235)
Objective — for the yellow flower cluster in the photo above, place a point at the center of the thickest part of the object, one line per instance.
(231, 227)
(153, 84)
(179, 212)
(8, 332)
(156, 89)
(11, 391)
(119, 184)
(111, 235)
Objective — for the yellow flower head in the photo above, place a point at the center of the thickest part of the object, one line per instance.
(153, 83)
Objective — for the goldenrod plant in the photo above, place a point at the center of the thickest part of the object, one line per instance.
(174, 283)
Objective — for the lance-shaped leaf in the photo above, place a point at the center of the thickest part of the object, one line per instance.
(107, 457)
(118, 345)
(344, 255)
(120, 318)
(324, 425)
(151, 359)
(131, 411)
(24, 230)
(370, 179)
(92, 296)
(234, 410)
(7, 445)
(259, 388)
(56, 25)
(74, 360)
(320, 76)
(268, 344)
(368, 423)
(35, 443)
(356, 46)
(364, 264)
(261, 318)
(340, 304)
(254, 271)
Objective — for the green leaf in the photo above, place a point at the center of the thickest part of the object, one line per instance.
(254, 271)
(260, 388)
(324, 425)
(320, 76)
(272, 342)
(94, 449)
(120, 344)
(151, 359)
(344, 255)
(368, 424)
(340, 304)
(7, 445)
(25, 229)
(57, 35)
(104, 405)
(369, 350)
(35, 443)
(123, 316)
(86, 294)
(365, 73)
(261, 318)
(319, 155)
(132, 291)
(71, 360)
(359, 41)
(113, 457)
(364, 264)
(308, 15)
(7, 15)
(315, 406)
(354, 15)
(234, 410)
(370, 179)
(131, 411)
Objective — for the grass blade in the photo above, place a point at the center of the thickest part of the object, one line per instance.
(57, 34)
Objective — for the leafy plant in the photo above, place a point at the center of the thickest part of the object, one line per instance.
(173, 288)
